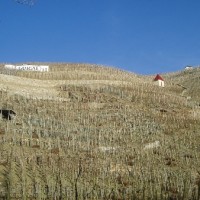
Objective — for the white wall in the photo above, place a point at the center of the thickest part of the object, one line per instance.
(159, 83)
(41, 68)
(9, 66)
(188, 68)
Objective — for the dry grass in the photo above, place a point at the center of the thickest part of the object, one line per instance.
(83, 133)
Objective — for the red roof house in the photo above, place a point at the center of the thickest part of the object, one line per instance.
(159, 80)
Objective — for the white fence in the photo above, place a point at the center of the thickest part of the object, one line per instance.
(41, 68)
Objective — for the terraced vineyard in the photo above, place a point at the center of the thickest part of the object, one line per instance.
(93, 132)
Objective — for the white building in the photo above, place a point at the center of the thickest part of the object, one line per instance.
(159, 81)
(188, 67)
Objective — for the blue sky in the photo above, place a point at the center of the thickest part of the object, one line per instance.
(142, 36)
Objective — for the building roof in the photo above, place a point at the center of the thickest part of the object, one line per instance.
(158, 77)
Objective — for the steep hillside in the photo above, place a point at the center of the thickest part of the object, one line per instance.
(92, 132)
(189, 80)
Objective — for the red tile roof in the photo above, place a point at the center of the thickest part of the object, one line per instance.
(158, 77)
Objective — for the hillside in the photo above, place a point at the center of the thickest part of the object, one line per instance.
(93, 132)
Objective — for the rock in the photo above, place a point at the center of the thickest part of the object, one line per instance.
(152, 145)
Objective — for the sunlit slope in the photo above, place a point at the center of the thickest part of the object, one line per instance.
(188, 82)
(109, 131)
(70, 71)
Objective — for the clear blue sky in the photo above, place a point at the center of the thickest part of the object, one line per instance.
(142, 36)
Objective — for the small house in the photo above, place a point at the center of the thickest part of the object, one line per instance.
(158, 80)
(188, 67)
